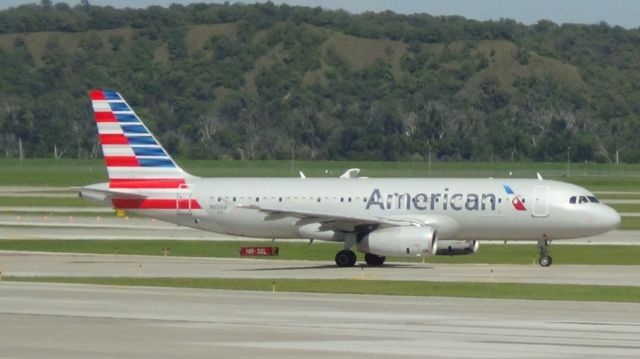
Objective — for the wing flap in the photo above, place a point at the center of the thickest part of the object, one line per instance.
(446, 226)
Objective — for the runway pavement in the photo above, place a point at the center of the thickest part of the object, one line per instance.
(85, 321)
(93, 265)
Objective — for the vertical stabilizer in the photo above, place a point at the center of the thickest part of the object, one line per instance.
(133, 156)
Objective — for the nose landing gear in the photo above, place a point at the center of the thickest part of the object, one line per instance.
(545, 259)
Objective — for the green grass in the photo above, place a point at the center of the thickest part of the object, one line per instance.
(488, 253)
(45, 202)
(62, 214)
(609, 196)
(355, 286)
(596, 177)
(49, 172)
(630, 223)
(627, 208)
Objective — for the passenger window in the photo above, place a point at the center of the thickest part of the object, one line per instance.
(583, 199)
(280, 199)
(593, 199)
(572, 200)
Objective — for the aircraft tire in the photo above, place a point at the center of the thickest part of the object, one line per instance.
(374, 260)
(345, 258)
(545, 261)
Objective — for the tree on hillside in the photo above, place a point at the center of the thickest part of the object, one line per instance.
(253, 81)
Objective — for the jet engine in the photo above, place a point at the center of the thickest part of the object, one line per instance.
(402, 241)
(457, 248)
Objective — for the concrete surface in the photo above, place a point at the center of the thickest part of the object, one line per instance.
(48, 264)
(83, 321)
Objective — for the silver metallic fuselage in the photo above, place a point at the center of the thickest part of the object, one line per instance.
(464, 209)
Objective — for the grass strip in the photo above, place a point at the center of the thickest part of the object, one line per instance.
(488, 253)
(626, 208)
(60, 214)
(630, 223)
(67, 172)
(45, 202)
(377, 287)
(609, 196)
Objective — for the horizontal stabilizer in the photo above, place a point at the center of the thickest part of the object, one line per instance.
(101, 195)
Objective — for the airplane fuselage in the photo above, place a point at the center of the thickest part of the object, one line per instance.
(462, 209)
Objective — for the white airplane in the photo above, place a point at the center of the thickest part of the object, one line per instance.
(380, 217)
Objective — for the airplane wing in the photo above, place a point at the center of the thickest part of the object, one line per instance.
(446, 226)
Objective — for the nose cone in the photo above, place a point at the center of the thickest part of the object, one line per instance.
(608, 219)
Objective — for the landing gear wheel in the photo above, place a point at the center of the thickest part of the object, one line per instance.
(545, 261)
(374, 260)
(345, 258)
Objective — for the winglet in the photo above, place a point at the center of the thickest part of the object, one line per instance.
(351, 173)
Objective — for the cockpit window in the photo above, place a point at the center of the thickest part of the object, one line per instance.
(583, 199)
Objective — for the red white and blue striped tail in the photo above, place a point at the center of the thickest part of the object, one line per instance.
(134, 157)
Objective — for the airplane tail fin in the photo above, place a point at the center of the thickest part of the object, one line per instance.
(133, 156)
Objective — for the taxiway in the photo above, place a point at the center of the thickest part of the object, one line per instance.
(85, 321)
(32, 264)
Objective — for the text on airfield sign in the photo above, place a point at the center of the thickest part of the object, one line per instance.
(259, 251)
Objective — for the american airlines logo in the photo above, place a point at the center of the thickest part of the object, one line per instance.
(442, 201)
(517, 202)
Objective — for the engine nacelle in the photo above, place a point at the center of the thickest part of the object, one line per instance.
(457, 248)
(403, 241)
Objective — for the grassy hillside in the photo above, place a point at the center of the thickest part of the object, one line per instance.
(253, 81)
(358, 52)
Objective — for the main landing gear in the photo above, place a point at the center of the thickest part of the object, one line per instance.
(346, 258)
(374, 260)
(545, 259)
